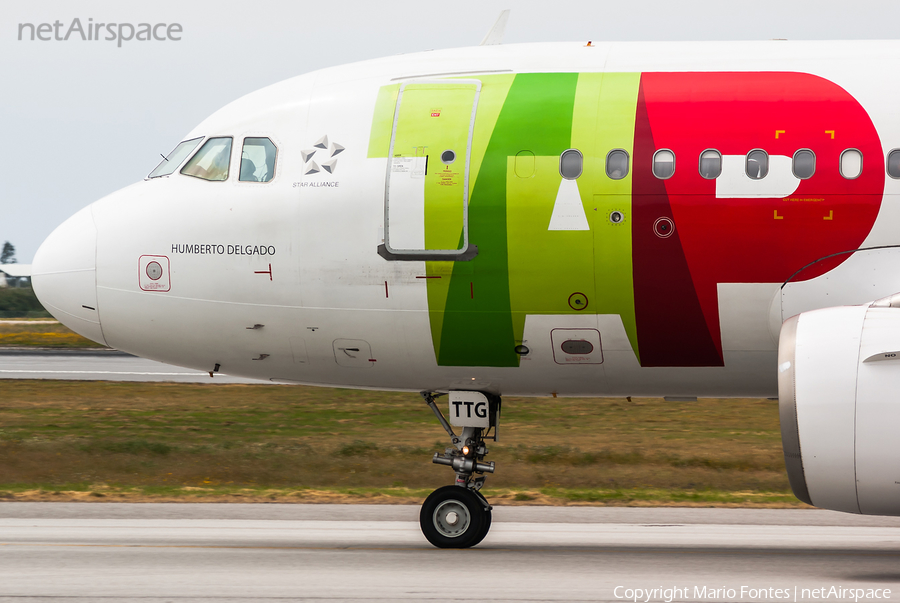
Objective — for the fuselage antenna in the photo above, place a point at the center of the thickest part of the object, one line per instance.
(495, 35)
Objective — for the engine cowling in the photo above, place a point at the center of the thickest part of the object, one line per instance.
(839, 404)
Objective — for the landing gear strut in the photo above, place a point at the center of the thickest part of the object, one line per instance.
(459, 516)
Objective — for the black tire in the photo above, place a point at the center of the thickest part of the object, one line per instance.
(485, 528)
(445, 530)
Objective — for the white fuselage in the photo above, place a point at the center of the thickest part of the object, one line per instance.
(277, 280)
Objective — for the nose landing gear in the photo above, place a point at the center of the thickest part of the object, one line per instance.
(459, 516)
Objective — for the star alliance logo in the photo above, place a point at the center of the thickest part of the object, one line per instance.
(324, 150)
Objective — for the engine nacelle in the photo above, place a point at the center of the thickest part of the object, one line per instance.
(839, 403)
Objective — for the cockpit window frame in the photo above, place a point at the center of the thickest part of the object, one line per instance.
(199, 142)
(200, 148)
(241, 157)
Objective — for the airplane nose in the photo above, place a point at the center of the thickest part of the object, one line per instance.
(64, 275)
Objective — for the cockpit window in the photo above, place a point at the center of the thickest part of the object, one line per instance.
(170, 163)
(211, 161)
(258, 160)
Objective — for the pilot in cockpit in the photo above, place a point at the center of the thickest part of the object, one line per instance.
(248, 170)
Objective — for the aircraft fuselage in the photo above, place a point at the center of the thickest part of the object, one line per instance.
(618, 219)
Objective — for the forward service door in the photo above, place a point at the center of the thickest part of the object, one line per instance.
(427, 184)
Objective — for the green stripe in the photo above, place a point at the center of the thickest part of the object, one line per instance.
(479, 331)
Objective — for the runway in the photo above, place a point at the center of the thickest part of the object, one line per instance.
(174, 552)
(152, 553)
(94, 365)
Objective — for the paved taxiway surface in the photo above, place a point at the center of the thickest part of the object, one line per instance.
(225, 552)
(93, 365)
(175, 552)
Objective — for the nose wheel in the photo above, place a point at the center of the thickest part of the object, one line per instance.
(458, 516)
(455, 518)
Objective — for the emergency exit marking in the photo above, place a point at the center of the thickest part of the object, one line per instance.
(777, 217)
(830, 215)
(830, 132)
(777, 132)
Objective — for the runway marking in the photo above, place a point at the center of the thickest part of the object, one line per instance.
(424, 547)
(256, 597)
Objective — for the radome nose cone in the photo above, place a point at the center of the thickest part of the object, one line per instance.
(64, 275)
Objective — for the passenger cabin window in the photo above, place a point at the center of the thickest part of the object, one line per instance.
(804, 164)
(571, 164)
(211, 161)
(710, 164)
(171, 162)
(617, 164)
(663, 164)
(851, 164)
(757, 164)
(258, 160)
(893, 163)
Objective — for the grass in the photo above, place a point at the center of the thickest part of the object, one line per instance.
(638, 497)
(52, 335)
(64, 440)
